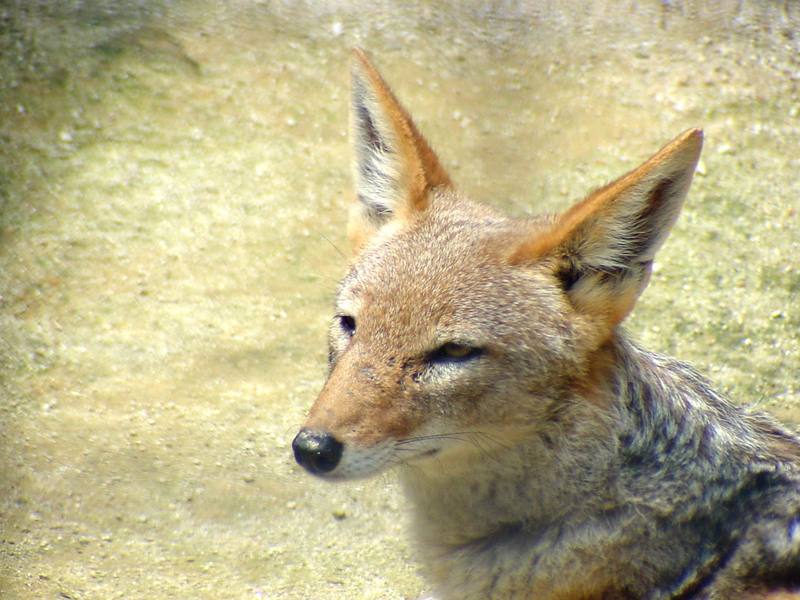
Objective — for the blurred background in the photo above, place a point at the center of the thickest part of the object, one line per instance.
(174, 178)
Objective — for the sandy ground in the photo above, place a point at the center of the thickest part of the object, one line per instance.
(173, 188)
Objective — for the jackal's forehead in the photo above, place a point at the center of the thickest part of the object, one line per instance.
(438, 279)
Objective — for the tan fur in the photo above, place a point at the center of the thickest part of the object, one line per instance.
(544, 454)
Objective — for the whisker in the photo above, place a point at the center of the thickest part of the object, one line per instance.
(335, 247)
(484, 442)
(477, 440)
(494, 440)
(456, 435)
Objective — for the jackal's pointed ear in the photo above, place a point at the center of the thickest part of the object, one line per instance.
(603, 247)
(395, 168)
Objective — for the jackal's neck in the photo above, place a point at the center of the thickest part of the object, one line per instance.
(659, 425)
(667, 413)
(516, 483)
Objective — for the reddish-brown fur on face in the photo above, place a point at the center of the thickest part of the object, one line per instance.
(360, 391)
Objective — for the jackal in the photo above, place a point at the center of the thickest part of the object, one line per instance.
(544, 453)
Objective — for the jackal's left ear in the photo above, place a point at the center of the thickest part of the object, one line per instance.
(603, 247)
(395, 168)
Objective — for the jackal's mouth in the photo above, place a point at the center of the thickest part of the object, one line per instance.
(422, 455)
(428, 445)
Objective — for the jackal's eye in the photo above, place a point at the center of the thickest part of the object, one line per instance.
(454, 352)
(347, 324)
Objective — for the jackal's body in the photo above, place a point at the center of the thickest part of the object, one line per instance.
(544, 454)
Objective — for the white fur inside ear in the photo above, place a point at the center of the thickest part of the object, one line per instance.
(614, 234)
(377, 167)
(630, 230)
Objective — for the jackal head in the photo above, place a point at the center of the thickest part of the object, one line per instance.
(458, 329)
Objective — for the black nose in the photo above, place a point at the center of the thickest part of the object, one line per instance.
(316, 451)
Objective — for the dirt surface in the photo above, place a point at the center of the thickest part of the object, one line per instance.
(174, 180)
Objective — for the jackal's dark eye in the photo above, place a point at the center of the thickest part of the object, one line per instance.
(347, 324)
(454, 352)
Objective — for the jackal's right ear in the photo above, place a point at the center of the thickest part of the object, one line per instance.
(395, 168)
